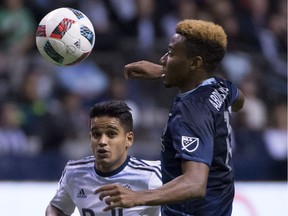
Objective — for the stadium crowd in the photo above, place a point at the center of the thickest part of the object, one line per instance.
(44, 108)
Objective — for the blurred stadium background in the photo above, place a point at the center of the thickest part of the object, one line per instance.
(44, 108)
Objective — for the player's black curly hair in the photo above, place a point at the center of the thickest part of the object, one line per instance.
(204, 39)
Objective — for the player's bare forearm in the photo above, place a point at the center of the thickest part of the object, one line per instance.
(190, 185)
(143, 70)
(53, 211)
(174, 191)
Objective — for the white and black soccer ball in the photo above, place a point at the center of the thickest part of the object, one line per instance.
(65, 36)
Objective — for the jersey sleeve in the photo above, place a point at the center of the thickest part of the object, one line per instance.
(193, 136)
(155, 180)
(62, 199)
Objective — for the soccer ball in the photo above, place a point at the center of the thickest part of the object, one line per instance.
(65, 36)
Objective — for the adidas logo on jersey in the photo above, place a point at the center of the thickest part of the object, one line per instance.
(127, 186)
(81, 194)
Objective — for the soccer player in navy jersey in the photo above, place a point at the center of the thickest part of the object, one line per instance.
(111, 136)
(196, 142)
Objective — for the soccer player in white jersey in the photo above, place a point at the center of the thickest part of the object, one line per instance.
(111, 135)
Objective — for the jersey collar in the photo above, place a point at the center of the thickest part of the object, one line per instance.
(208, 81)
(114, 172)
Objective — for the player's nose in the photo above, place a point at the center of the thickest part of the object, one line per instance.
(163, 59)
(103, 140)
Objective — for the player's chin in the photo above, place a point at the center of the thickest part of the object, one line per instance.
(102, 160)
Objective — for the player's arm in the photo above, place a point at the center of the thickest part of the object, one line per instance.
(143, 70)
(190, 185)
(54, 211)
(239, 103)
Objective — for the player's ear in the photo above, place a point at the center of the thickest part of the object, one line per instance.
(90, 137)
(196, 62)
(129, 139)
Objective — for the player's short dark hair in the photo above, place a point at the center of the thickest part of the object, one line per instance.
(205, 39)
(116, 109)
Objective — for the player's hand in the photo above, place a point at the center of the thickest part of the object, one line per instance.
(117, 196)
(143, 70)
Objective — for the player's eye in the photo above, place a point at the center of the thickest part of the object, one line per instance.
(112, 134)
(95, 134)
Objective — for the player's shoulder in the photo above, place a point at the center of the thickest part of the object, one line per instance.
(81, 163)
(148, 165)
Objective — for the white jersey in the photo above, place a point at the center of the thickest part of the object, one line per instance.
(80, 179)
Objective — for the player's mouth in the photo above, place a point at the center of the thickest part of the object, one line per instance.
(102, 152)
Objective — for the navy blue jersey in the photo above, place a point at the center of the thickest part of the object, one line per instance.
(199, 130)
